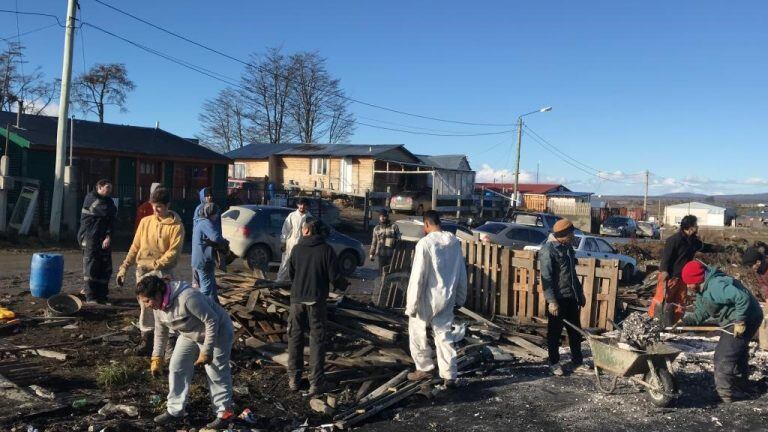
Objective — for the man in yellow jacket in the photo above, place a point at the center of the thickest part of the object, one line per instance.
(156, 247)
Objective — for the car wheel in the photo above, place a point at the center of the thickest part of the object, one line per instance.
(627, 273)
(258, 257)
(347, 262)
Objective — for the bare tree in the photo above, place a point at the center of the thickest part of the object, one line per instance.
(316, 104)
(224, 123)
(34, 92)
(341, 121)
(102, 85)
(266, 87)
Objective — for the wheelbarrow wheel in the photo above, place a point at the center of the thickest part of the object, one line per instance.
(663, 390)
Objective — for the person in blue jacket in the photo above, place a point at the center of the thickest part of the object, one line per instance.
(205, 239)
(724, 299)
(206, 197)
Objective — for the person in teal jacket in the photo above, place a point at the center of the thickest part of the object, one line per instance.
(724, 299)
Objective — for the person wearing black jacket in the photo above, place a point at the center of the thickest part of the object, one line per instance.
(312, 267)
(680, 248)
(564, 295)
(97, 219)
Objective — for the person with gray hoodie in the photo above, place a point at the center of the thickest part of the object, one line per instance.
(205, 339)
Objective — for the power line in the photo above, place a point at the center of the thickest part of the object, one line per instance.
(16, 12)
(233, 58)
(601, 177)
(410, 126)
(8, 38)
(232, 82)
(560, 151)
(434, 134)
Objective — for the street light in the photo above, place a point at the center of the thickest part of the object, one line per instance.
(519, 143)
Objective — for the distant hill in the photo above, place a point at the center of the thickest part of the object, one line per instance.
(683, 195)
(690, 196)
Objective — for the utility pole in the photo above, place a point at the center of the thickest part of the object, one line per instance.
(538, 166)
(61, 133)
(645, 195)
(517, 159)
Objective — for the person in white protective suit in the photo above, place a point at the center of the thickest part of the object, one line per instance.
(291, 235)
(438, 283)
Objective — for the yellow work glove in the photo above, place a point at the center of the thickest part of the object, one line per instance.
(739, 328)
(553, 309)
(202, 359)
(156, 366)
(120, 278)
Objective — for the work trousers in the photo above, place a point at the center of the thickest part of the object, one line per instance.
(569, 310)
(181, 369)
(97, 270)
(206, 282)
(383, 262)
(305, 318)
(731, 361)
(421, 351)
(146, 315)
(284, 273)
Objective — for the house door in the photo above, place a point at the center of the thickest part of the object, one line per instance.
(345, 178)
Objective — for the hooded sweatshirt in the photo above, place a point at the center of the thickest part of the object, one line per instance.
(157, 243)
(197, 215)
(193, 315)
(203, 235)
(312, 266)
(724, 299)
(438, 277)
(145, 209)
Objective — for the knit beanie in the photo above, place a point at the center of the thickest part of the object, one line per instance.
(693, 272)
(562, 228)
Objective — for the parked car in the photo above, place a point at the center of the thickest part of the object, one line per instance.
(514, 236)
(413, 230)
(416, 202)
(545, 220)
(648, 229)
(619, 226)
(254, 232)
(587, 246)
(323, 209)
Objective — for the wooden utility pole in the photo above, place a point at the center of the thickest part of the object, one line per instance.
(61, 133)
(645, 195)
(517, 160)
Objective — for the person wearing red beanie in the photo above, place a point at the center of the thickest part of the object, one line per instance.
(726, 300)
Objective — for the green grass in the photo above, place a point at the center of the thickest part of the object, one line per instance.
(117, 375)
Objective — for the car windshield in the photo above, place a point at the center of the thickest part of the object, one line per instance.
(491, 227)
(526, 219)
(614, 222)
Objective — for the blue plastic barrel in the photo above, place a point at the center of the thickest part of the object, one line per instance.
(46, 274)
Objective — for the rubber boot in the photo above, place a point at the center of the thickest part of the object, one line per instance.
(144, 348)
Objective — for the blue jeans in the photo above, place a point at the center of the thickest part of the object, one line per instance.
(207, 281)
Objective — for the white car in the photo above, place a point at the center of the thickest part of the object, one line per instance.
(587, 246)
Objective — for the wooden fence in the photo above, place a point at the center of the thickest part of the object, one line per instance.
(506, 282)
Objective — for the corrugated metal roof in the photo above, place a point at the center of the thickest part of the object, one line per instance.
(261, 151)
(525, 188)
(452, 162)
(41, 131)
(697, 205)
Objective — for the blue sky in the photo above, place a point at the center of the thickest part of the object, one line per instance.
(678, 88)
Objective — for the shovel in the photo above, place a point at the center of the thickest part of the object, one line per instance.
(698, 329)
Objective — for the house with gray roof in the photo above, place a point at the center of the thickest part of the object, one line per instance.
(352, 169)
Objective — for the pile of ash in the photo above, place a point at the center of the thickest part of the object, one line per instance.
(640, 331)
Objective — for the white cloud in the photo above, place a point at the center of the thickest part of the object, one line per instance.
(488, 174)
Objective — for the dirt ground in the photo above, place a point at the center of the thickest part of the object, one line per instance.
(516, 395)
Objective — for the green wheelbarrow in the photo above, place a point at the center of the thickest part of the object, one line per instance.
(650, 368)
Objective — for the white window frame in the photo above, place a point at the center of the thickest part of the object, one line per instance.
(318, 166)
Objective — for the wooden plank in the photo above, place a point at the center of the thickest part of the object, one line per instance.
(505, 286)
(470, 258)
(534, 349)
(588, 283)
(477, 317)
(485, 306)
(493, 284)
